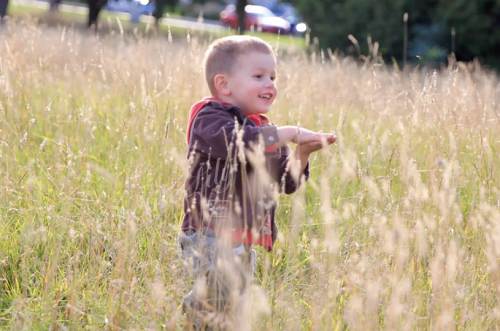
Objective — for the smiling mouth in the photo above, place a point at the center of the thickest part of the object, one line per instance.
(265, 96)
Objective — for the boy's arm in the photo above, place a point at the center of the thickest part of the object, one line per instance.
(297, 164)
(298, 156)
(287, 134)
(213, 132)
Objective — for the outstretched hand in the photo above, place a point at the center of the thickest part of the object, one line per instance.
(305, 136)
(313, 143)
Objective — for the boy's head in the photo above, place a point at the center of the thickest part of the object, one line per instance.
(241, 70)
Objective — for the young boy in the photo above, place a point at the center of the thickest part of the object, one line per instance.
(238, 164)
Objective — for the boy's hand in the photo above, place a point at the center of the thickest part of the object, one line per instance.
(311, 143)
(305, 136)
(300, 136)
(314, 144)
(296, 135)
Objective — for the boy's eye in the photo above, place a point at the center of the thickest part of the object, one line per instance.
(258, 76)
(273, 78)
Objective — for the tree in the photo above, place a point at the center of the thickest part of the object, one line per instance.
(430, 25)
(331, 21)
(240, 11)
(161, 5)
(95, 7)
(54, 5)
(3, 8)
(477, 26)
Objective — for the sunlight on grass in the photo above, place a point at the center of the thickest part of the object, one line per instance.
(397, 228)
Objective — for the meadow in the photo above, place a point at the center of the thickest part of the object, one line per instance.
(398, 227)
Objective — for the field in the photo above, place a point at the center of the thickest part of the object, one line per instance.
(398, 227)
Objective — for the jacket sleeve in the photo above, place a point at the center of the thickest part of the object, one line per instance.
(213, 131)
(288, 183)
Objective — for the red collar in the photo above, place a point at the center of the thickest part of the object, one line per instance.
(259, 119)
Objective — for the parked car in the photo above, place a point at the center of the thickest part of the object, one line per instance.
(145, 7)
(256, 16)
(288, 12)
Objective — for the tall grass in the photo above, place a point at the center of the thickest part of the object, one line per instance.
(398, 227)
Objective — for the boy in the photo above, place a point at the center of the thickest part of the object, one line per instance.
(238, 164)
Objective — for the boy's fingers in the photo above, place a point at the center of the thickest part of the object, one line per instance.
(312, 145)
(330, 137)
(307, 139)
(314, 139)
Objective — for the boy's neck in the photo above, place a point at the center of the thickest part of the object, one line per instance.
(230, 101)
(223, 99)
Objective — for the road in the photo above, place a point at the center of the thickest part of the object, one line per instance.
(178, 22)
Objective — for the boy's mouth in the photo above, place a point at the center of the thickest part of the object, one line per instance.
(266, 96)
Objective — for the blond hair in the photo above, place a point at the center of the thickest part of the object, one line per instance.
(222, 55)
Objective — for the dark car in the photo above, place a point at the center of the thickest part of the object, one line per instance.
(261, 18)
(288, 12)
(144, 7)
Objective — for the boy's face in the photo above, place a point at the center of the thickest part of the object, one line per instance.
(251, 86)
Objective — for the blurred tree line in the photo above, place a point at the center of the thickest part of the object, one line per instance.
(434, 28)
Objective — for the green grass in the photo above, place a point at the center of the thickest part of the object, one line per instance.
(397, 228)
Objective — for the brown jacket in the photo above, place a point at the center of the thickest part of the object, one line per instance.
(225, 190)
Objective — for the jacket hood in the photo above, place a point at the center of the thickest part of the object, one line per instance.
(195, 109)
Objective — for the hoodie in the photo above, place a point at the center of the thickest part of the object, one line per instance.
(225, 190)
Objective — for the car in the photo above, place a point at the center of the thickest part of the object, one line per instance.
(288, 12)
(261, 18)
(145, 7)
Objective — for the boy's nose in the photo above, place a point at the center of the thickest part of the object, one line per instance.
(269, 82)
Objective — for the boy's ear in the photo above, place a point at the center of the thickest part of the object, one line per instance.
(221, 84)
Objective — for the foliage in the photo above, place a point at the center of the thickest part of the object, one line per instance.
(476, 23)
(428, 44)
(162, 6)
(332, 21)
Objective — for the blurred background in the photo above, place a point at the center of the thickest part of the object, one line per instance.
(422, 32)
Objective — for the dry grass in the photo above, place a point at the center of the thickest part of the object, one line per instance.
(398, 227)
